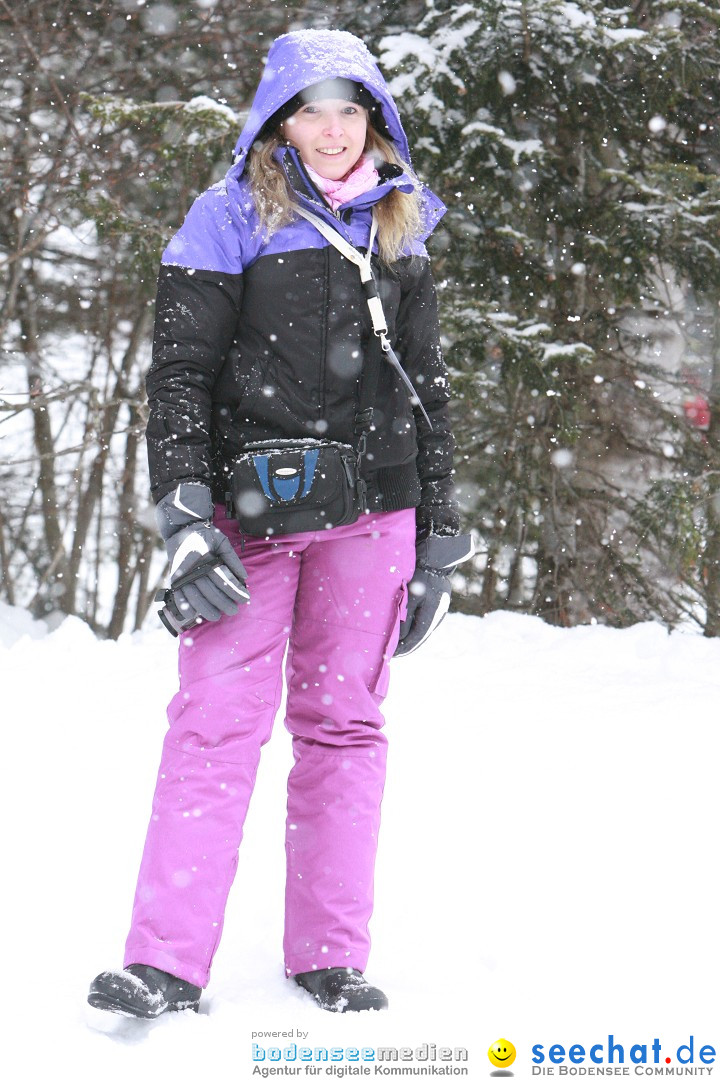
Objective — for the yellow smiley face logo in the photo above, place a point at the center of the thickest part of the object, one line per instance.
(502, 1054)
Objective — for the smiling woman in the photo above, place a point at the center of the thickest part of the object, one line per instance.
(267, 349)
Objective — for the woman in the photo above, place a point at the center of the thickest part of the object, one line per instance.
(263, 332)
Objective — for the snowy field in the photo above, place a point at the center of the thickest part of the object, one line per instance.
(548, 867)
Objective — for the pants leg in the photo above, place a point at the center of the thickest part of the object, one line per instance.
(351, 596)
(230, 688)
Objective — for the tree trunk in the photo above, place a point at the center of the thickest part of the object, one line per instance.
(94, 487)
(5, 576)
(43, 437)
(126, 528)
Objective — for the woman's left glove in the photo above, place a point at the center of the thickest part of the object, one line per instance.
(192, 542)
(430, 588)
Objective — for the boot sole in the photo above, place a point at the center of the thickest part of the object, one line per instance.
(123, 1008)
(344, 1004)
(372, 1007)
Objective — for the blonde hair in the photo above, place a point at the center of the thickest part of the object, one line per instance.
(398, 214)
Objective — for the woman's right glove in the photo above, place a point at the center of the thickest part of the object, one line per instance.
(429, 589)
(198, 550)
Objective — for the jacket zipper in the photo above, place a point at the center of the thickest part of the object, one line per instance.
(326, 287)
(323, 350)
(342, 216)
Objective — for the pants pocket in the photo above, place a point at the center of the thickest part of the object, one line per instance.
(382, 680)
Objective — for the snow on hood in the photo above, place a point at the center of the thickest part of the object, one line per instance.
(304, 57)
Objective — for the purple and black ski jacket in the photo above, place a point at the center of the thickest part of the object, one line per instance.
(261, 337)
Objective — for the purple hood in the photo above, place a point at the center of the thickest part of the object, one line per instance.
(304, 57)
(215, 235)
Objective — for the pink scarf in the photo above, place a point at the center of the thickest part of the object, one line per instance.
(337, 192)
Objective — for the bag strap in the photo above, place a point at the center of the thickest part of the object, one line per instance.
(377, 314)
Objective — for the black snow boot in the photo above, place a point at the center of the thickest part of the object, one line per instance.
(142, 991)
(341, 989)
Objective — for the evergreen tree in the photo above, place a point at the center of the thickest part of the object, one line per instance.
(576, 145)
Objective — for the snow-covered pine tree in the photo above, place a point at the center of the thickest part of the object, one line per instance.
(576, 145)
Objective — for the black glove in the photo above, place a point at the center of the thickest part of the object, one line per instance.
(184, 519)
(430, 588)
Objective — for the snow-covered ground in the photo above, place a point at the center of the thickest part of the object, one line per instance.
(548, 868)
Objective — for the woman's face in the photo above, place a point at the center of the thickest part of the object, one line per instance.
(329, 134)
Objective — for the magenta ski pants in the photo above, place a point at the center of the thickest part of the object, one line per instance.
(335, 600)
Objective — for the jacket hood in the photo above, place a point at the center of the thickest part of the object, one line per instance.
(304, 57)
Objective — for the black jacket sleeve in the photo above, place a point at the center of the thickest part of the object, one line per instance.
(418, 341)
(195, 320)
